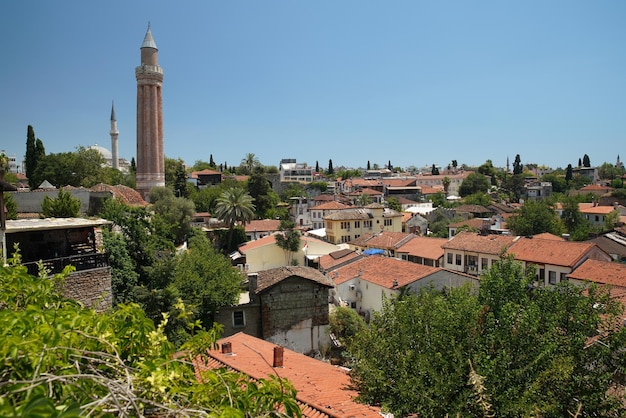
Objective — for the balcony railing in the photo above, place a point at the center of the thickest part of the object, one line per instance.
(81, 262)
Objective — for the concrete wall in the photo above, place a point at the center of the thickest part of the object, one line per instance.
(30, 202)
(90, 287)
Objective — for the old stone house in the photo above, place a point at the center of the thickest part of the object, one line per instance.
(285, 305)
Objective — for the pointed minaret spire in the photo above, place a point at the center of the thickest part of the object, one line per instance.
(114, 133)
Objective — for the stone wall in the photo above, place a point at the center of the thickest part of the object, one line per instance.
(90, 287)
(291, 301)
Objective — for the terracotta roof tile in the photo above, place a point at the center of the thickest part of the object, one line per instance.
(322, 389)
(478, 223)
(126, 194)
(424, 247)
(332, 205)
(548, 251)
(387, 272)
(268, 278)
(599, 210)
(270, 225)
(603, 272)
(384, 240)
(472, 242)
(334, 259)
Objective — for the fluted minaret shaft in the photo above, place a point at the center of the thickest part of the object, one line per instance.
(150, 153)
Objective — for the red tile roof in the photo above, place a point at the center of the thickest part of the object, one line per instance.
(126, 194)
(387, 272)
(478, 223)
(472, 242)
(323, 390)
(603, 272)
(424, 247)
(250, 245)
(268, 278)
(598, 210)
(384, 240)
(548, 251)
(329, 261)
(332, 205)
(548, 236)
(269, 225)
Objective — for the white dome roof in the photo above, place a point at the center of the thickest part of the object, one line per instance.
(106, 154)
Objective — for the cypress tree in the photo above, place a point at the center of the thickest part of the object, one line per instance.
(30, 152)
(330, 167)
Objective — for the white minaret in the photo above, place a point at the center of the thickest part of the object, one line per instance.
(115, 161)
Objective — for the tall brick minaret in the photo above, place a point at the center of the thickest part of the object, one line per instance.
(150, 155)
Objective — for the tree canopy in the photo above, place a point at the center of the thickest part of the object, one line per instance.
(474, 183)
(63, 206)
(535, 217)
(508, 349)
(59, 359)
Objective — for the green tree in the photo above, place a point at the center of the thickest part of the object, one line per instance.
(234, 205)
(249, 163)
(11, 205)
(608, 171)
(586, 161)
(611, 219)
(559, 183)
(206, 279)
(514, 186)
(174, 212)
(487, 169)
(289, 240)
(62, 206)
(265, 199)
(480, 198)
(524, 351)
(412, 358)
(446, 184)
(345, 323)
(124, 278)
(518, 168)
(363, 200)
(35, 151)
(141, 237)
(434, 170)
(81, 168)
(394, 204)
(331, 170)
(535, 217)
(114, 363)
(575, 223)
(474, 183)
(569, 173)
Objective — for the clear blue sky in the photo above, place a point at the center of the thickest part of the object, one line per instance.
(414, 82)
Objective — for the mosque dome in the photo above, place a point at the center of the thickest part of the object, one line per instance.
(106, 154)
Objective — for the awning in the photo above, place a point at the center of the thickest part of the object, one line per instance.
(373, 251)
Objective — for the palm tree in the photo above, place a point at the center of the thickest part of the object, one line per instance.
(250, 161)
(234, 205)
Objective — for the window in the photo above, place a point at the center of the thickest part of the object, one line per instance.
(450, 258)
(542, 275)
(484, 263)
(345, 238)
(388, 222)
(458, 259)
(345, 225)
(239, 319)
(367, 224)
(563, 277)
(552, 277)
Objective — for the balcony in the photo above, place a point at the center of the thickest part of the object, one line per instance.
(81, 262)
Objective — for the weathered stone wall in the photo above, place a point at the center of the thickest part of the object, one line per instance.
(252, 320)
(291, 301)
(90, 287)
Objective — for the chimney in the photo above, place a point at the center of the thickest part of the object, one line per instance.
(252, 281)
(278, 356)
(227, 348)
